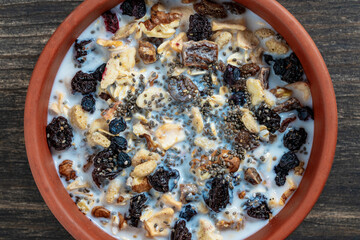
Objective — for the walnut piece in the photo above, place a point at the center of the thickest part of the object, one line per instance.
(65, 170)
(100, 212)
(232, 162)
(147, 52)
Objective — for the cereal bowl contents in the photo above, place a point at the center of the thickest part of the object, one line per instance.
(180, 120)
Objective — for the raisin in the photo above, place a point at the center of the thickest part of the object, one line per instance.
(287, 162)
(219, 195)
(137, 205)
(81, 50)
(268, 117)
(268, 59)
(210, 8)
(104, 96)
(199, 28)
(248, 70)
(119, 143)
(305, 113)
(294, 139)
(232, 77)
(111, 21)
(134, 8)
(59, 134)
(124, 160)
(182, 89)
(238, 98)
(188, 212)
(88, 103)
(83, 83)
(201, 54)
(117, 125)
(106, 166)
(99, 72)
(288, 68)
(153, 40)
(234, 8)
(163, 179)
(288, 105)
(257, 207)
(180, 231)
(246, 140)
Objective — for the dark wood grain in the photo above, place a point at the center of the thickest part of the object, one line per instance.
(25, 27)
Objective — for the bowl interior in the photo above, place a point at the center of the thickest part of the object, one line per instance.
(322, 153)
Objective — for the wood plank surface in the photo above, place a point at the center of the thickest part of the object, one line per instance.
(26, 26)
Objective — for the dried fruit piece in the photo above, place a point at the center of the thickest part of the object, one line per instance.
(147, 52)
(268, 117)
(124, 160)
(105, 166)
(163, 179)
(199, 54)
(238, 98)
(199, 28)
(182, 89)
(111, 21)
(66, 170)
(81, 50)
(286, 123)
(84, 83)
(88, 103)
(234, 8)
(287, 162)
(288, 68)
(117, 125)
(248, 70)
(294, 139)
(257, 207)
(232, 76)
(252, 176)
(210, 8)
(180, 231)
(99, 72)
(246, 140)
(119, 143)
(305, 113)
(136, 8)
(59, 133)
(100, 212)
(188, 212)
(219, 195)
(264, 77)
(288, 105)
(137, 205)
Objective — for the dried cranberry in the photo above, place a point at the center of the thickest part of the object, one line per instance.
(287, 162)
(257, 207)
(59, 133)
(163, 179)
(289, 68)
(187, 212)
(234, 8)
(238, 98)
(305, 113)
(219, 195)
(268, 117)
(88, 103)
(119, 143)
(81, 50)
(83, 83)
(199, 28)
(180, 231)
(117, 125)
(137, 205)
(136, 8)
(294, 139)
(106, 166)
(111, 21)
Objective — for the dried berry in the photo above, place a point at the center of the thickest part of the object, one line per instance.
(124, 160)
(257, 207)
(104, 96)
(219, 195)
(201, 54)
(288, 105)
(248, 70)
(83, 83)
(137, 205)
(210, 8)
(268, 117)
(88, 103)
(147, 52)
(99, 72)
(135, 8)
(287, 162)
(238, 98)
(294, 139)
(117, 125)
(81, 50)
(59, 134)
(232, 77)
(182, 89)
(119, 143)
(187, 212)
(105, 166)
(111, 21)
(305, 113)
(163, 179)
(289, 68)
(199, 28)
(180, 231)
(234, 8)
(153, 40)
(246, 140)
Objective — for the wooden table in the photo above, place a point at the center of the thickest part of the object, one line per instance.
(26, 26)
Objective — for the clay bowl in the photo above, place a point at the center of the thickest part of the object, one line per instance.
(44, 171)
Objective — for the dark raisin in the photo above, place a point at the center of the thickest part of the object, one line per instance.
(238, 98)
(135, 8)
(111, 21)
(88, 103)
(280, 178)
(287, 162)
(137, 205)
(210, 8)
(83, 83)
(305, 113)
(250, 69)
(268, 59)
(124, 160)
(163, 179)
(288, 68)
(232, 77)
(180, 231)
(99, 72)
(268, 117)
(199, 28)
(257, 207)
(182, 89)
(153, 40)
(234, 8)
(59, 134)
(104, 96)
(187, 212)
(288, 105)
(246, 140)
(294, 139)
(219, 195)
(117, 125)
(119, 143)
(105, 166)
(81, 50)
(199, 54)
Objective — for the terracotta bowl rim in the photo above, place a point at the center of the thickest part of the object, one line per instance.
(299, 40)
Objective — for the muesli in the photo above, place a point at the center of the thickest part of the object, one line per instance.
(180, 120)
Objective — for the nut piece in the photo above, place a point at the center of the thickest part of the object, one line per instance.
(112, 191)
(264, 33)
(171, 202)
(177, 42)
(264, 77)
(197, 119)
(207, 231)
(299, 170)
(187, 192)
(158, 224)
(252, 176)
(78, 117)
(229, 25)
(126, 30)
(65, 170)
(144, 155)
(276, 46)
(287, 194)
(250, 122)
(205, 143)
(288, 105)
(169, 134)
(199, 54)
(280, 92)
(221, 38)
(147, 52)
(154, 98)
(144, 169)
(232, 162)
(247, 40)
(122, 221)
(236, 224)
(300, 90)
(100, 212)
(140, 185)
